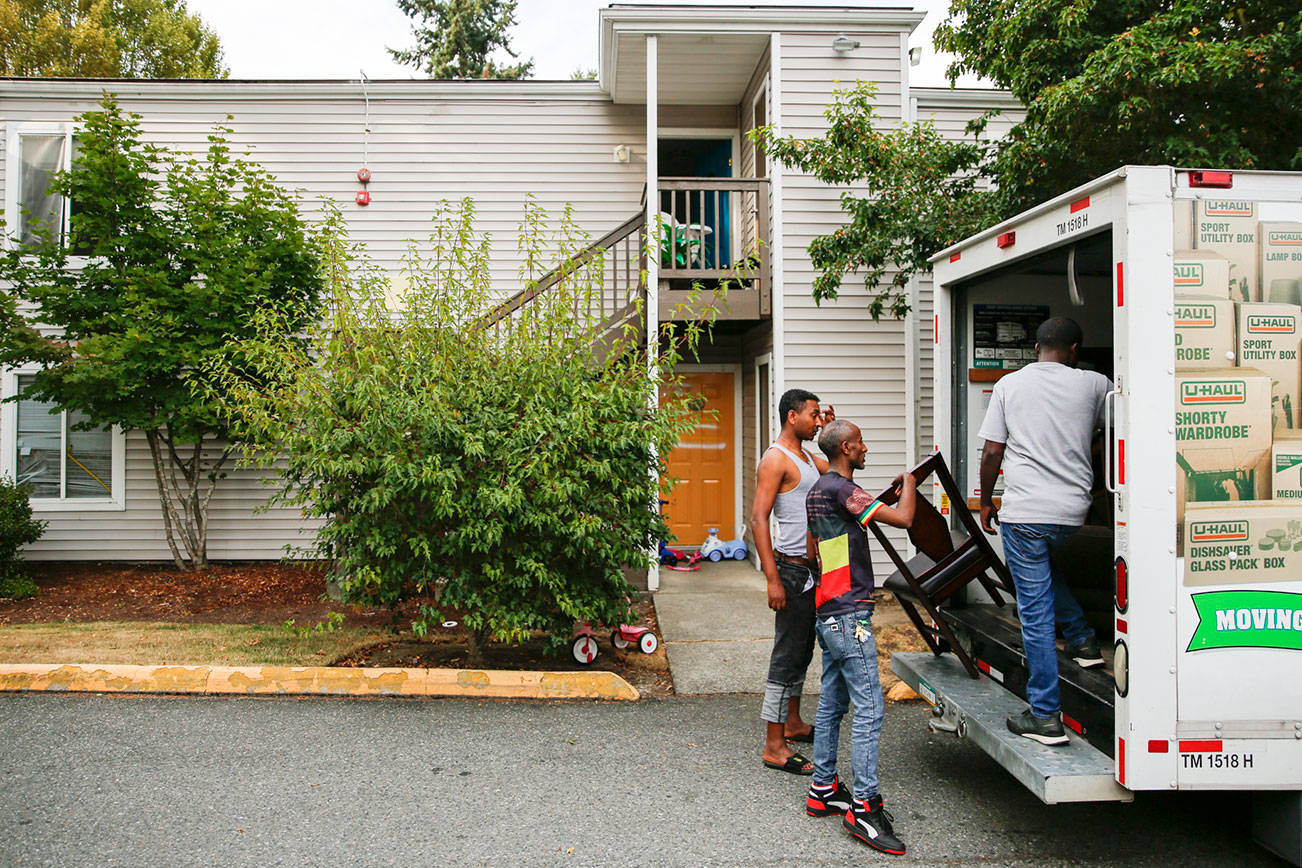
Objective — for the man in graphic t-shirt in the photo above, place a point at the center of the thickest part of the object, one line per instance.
(838, 512)
(1039, 428)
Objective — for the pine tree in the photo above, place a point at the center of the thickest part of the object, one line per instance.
(454, 38)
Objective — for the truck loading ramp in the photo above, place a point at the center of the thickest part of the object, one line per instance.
(977, 708)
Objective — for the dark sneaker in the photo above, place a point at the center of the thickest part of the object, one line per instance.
(829, 799)
(1086, 654)
(868, 821)
(1038, 729)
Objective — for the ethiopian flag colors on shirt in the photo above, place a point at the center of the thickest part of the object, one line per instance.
(838, 511)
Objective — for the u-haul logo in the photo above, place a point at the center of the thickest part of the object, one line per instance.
(1189, 274)
(1284, 238)
(1213, 392)
(1195, 316)
(1218, 531)
(1276, 324)
(1229, 209)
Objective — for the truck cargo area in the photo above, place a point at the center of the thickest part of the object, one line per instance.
(998, 314)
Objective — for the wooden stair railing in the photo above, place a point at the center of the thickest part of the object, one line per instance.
(614, 300)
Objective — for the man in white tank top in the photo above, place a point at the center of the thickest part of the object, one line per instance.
(786, 473)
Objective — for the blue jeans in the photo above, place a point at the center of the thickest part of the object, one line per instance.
(1042, 598)
(849, 674)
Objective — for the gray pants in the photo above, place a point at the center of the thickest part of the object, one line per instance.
(793, 644)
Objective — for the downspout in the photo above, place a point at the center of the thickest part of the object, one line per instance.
(653, 246)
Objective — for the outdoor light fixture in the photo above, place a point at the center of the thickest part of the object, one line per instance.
(915, 55)
(843, 43)
(621, 153)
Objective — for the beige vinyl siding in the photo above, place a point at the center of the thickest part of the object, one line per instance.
(422, 151)
(747, 114)
(836, 350)
(951, 111)
(136, 532)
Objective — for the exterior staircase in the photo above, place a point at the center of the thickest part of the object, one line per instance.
(613, 269)
(614, 301)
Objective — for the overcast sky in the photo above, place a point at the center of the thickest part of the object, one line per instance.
(336, 38)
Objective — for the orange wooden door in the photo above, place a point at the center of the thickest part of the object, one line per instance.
(704, 463)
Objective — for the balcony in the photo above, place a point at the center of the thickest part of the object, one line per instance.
(714, 232)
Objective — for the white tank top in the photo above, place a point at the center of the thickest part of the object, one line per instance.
(789, 507)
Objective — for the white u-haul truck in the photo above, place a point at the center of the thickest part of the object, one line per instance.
(1186, 284)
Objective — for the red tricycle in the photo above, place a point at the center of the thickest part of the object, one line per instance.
(585, 648)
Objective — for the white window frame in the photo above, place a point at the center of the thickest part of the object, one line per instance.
(760, 99)
(9, 462)
(764, 434)
(14, 174)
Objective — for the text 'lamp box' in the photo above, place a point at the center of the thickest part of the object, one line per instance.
(1268, 341)
(1202, 272)
(1281, 262)
(1229, 226)
(1286, 468)
(1204, 332)
(1248, 543)
(1223, 436)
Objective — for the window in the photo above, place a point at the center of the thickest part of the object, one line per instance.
(30, 207)
(66, 468)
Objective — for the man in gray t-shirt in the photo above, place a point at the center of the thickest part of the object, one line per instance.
(1039, 428)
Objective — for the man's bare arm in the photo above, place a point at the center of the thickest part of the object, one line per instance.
(992, 458)
(768, 481)
(901, 514)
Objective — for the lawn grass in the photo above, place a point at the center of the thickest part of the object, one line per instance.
(168, 644)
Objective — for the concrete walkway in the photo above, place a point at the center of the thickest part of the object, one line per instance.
(718, 629)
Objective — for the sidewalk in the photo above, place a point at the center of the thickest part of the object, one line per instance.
(718, 629)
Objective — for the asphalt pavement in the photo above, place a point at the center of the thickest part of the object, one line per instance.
(155, 780)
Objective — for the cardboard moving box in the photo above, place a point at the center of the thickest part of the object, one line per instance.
(1202, 272)
(1244, 543)
(1286, 468)
(1204, 332)
(1281, 262)
(1229, 227)
(1269, 336)
(1222, 436)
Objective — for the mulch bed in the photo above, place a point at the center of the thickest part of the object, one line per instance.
(272, 593)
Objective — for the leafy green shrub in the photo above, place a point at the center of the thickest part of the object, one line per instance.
(17, 529)
(15, 584)
(509, 471)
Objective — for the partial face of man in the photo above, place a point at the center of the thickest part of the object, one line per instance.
(855, 449)
(806, 421)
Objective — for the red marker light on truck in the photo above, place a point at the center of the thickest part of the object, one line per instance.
(1220, 180)
(1123, 591)
(1008, 239)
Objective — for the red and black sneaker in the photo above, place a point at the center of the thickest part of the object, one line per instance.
(868, 821)
(824, 800)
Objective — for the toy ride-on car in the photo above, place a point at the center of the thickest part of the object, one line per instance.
(716, 549)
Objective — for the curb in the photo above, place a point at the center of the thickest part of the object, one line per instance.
(312, 681)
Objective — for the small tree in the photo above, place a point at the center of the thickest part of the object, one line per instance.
(455, 38)
(180, 253)
(1204, 83)
(909, 192)
(506, 471)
